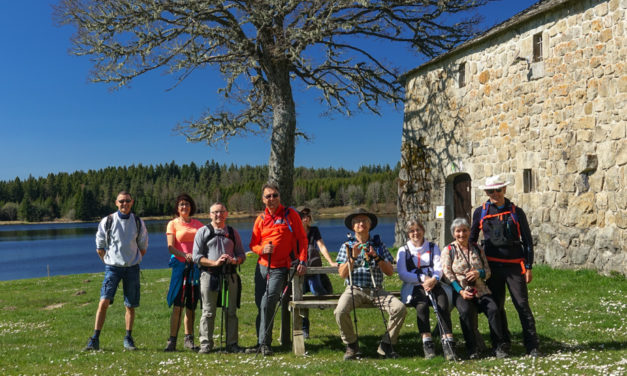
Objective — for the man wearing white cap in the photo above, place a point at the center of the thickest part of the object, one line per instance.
(509, 248)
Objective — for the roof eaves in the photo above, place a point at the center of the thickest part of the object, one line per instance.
(535, 10)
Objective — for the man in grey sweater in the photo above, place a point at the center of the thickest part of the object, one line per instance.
(121, 242)
(217, 251)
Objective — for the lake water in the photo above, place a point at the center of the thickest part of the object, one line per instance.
(36, 250)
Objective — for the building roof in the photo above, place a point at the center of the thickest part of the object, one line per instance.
(541, 7)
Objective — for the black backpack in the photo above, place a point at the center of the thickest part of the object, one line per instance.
(109, 224)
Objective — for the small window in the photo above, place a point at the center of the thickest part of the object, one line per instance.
(537, 47)
(462, 74)
(527, 181)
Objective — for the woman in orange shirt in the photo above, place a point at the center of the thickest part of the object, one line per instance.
(184, 285)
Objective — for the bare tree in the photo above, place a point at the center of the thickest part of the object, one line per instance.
(263, 48)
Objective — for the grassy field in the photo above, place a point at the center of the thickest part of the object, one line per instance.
(44, 324)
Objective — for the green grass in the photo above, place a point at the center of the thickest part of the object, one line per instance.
(44, 324)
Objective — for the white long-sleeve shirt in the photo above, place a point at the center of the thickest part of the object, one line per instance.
(423, 254)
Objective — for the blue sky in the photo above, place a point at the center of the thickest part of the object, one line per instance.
(53, 120)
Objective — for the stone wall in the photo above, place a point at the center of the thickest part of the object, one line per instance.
(564, 118)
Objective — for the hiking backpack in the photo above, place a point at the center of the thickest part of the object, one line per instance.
(109, 224)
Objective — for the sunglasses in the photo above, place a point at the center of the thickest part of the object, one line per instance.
(124, 201)
(490, 191)
(272, 195)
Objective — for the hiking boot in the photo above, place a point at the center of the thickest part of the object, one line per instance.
(171, 345)
(204, 349)
(429, 349)
(448, 346)
(534, 353)
(129, 344)
(501, 351)
(252, 349)
(306, 327)
(234, 348)
(92, 344)
(266, 350)
(189, 342)
(386, 351)
(352, 351)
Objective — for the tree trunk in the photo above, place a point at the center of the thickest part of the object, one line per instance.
(282, 141)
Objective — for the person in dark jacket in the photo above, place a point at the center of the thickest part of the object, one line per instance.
(509, 249)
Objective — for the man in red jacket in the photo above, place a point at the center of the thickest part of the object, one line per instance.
(278, 238)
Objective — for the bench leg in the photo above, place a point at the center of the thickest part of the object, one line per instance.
(298, 339)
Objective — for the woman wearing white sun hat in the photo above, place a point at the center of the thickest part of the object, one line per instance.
(509, 248)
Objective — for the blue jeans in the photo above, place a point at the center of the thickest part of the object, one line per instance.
(275, 285)
(129, 275)
(315, 285)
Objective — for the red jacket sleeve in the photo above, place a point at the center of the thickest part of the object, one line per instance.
(255, 240)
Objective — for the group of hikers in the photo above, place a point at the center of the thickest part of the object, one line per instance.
(205, 258)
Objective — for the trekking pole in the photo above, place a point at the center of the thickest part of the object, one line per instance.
(267, 293)
(440, 320)
(276, 309)
(350, 281)
(222, 292)
(376, 291)
(226, 306)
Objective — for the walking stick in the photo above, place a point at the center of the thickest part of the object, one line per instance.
(276, 309)
(224, 291)
(376, 291)
(350, 281)
(439, 319)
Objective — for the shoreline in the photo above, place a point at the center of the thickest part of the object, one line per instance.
(333, 212)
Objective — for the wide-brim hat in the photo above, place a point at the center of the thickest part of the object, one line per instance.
(494, 182)
(348, 221)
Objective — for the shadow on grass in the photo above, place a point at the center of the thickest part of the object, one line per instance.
(410, 346)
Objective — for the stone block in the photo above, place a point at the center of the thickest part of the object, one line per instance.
(606, 154)
(584, 136)
(547, 199)
(612, 180)
(596, 25)
(608, 240)
(621, 152)
(618, 131)
(622, 84)
(585, 122)
(596, 181)
(555, 252)
(592, 89)
(579, 255)
(601, 201)
(580, 211)
(546, 215)
(562, 200)
(621, 219)
(605, 35)
(484, 77)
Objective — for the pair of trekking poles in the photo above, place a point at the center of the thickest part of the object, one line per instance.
(188, 279)
(376, 291)
(279, 303)
(385, 325)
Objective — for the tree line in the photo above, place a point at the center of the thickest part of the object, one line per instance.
(90, 195)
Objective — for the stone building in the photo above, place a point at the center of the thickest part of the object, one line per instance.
(542, 100)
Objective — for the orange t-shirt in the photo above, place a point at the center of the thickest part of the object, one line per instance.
(184, 234)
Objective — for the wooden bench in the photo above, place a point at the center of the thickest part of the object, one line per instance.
(300, 302)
